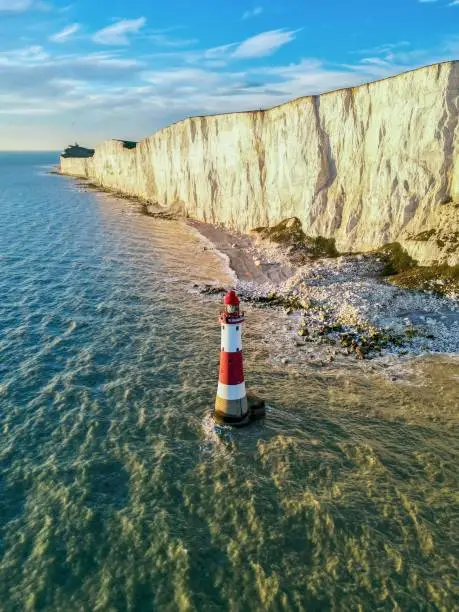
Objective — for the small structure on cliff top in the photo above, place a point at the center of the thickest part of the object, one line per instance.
(127, 144)
(77, 151)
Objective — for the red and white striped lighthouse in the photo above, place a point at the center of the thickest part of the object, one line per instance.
(231, 403)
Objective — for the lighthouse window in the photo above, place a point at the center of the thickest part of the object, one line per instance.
(237, 327)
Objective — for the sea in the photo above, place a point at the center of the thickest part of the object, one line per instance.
(118, 492)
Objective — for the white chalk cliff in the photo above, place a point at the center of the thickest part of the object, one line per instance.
(367, 166)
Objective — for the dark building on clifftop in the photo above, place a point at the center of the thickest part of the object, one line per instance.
(77, 151)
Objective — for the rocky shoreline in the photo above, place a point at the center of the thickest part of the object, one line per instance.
(342, 305)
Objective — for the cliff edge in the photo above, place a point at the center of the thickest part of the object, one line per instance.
(367, 166)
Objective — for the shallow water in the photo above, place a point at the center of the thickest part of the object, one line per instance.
(116, 490)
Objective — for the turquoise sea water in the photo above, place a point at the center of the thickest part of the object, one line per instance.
(116, 490)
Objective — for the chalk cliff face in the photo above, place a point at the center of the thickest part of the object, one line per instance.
(367, 166)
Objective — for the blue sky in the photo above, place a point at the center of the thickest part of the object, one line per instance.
(92, 70)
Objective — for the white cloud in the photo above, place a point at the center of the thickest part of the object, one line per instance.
(264, 44)
(312, 76)
(388, 47)
(23, 56)
(427, 1)
(261, 45)
(213, 63)
(21, 6)
(398, 53)
(167, 41)
(455, 3)
(96, 96)
(181, 76)
(253, 12)
(66, 33)
(374, 61)
(15, 6)
(118, 33)
(215, 53)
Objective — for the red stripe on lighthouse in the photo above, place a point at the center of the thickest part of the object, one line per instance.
(231, 369)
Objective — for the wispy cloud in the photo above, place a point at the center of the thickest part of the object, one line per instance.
(390, 54)
(21, 6)
(386, 48)
(24, 56)
(194, 78)
(119, 32)
(261, 45)
(253, 12)
(115, 93)
(264, 44)
(220, 52)
(168, 41)
(427, 1)
(65, 34)
(454, 3)
(397, 57)
(15, 6)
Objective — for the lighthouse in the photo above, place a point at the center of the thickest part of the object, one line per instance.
(232, 405)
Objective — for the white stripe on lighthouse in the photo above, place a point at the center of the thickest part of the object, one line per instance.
(231, 338)
(231, 392)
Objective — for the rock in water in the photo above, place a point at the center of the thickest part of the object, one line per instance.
(257, 406)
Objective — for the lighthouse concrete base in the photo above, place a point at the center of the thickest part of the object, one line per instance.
(255, 409)
(232, 411)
